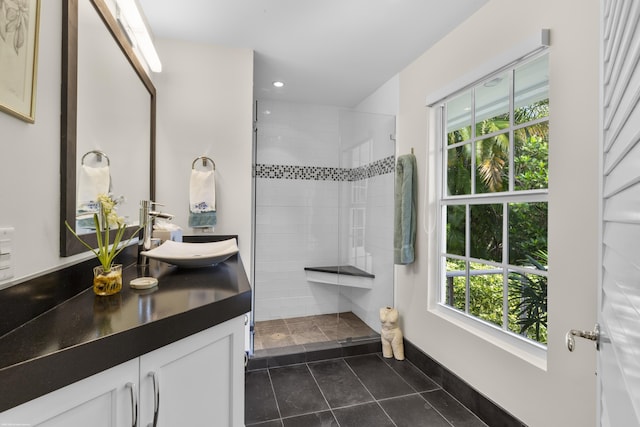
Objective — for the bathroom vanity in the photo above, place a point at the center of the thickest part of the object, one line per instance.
(165, 356)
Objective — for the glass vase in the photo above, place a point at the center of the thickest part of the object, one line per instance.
(107, 282)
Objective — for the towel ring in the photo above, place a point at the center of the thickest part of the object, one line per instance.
(204, 159)
(99, 154)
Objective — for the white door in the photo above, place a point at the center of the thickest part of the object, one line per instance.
(619, 310)
(197, 381)
(107, 399)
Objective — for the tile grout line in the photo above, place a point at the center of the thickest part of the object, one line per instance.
(374, 399)
(370, 394)
(418, 392)
(289, 334)
(435, 409)
(429, 391)
(322, 393)
(275, 397)
(396, 372)
(460, 403)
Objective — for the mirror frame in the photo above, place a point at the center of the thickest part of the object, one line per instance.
(69, 245)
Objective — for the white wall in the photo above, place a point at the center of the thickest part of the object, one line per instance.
(385, 100)
(30, 163)
(205, 108)
(562, 393)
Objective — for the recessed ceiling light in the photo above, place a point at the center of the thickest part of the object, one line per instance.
(278, 84)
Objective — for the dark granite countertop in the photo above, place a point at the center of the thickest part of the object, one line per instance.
(86, 334)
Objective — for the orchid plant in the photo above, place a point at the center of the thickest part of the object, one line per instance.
(107, 221)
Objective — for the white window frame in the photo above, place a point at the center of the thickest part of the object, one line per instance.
(531, 351)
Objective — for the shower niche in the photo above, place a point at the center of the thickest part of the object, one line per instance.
(323, 263)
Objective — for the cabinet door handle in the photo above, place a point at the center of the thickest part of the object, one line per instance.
(134, 404)
(156, 398)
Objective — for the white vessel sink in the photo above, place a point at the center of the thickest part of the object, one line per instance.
(193, 255)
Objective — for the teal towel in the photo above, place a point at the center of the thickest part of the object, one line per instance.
(202, 219)
(406, 198)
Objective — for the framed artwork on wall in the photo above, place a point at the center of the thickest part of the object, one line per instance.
(19, 24)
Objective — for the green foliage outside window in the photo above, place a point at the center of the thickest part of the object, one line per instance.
(527, 298)
(526, 222)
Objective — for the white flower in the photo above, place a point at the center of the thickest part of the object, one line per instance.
(104, 221)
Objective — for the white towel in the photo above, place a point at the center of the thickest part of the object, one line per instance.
(202, 191)
(92, 181)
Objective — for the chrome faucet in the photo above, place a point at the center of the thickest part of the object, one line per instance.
(147, 218)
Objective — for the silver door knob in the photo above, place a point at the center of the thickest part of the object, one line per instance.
(590, 335)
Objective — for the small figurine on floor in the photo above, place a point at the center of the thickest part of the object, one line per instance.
(391, 335)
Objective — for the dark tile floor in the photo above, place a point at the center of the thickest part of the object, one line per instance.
(358, 391)
(309, 329)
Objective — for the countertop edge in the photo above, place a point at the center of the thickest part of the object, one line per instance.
(57, 370)
(29, 379)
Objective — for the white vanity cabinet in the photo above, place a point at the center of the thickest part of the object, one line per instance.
(107, 399)
(196, 381)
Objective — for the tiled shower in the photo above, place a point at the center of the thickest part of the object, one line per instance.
(323, 198)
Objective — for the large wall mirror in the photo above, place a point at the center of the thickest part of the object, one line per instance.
(108, 120)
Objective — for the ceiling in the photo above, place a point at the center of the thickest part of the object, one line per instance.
(332, 52)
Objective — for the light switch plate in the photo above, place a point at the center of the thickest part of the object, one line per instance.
(6, 253)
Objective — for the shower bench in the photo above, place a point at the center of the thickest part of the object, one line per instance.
(340, 275)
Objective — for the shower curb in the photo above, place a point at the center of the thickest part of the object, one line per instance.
(284, 356)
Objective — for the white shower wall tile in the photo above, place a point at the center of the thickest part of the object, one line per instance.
(303, 249)
(295, 231)
(298, 215)
(306, 254)
(287, 307)
(290, 192)
(270, 267)
(272, 289)
(300, 222)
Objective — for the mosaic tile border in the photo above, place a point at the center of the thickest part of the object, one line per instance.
(320, 173)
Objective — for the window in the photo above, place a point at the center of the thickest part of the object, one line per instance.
(493, 200)
(361, 156)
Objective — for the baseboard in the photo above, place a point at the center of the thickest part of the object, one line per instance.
(485, 409)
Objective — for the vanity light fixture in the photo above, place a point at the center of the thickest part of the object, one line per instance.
(278, 84)
(128, 13)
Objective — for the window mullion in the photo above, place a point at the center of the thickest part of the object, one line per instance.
(444, 158)
(530, 123)
(505, 266)
(467, 254)
(468, 207)
(473, 141)
(521, 196)
(505, 212)
(512, 143)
